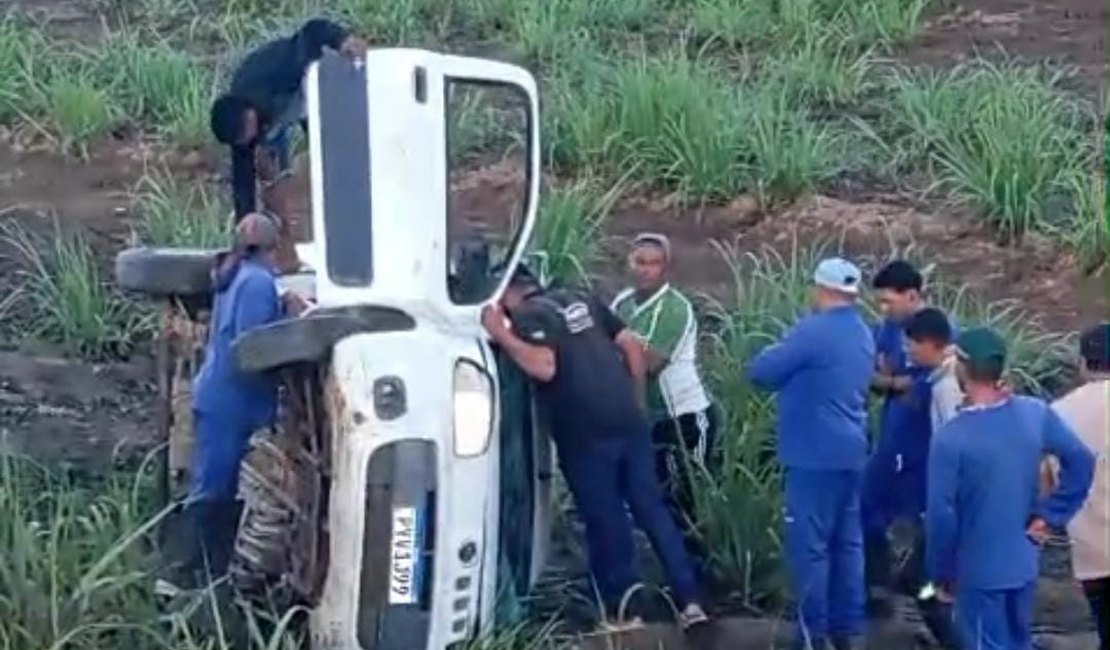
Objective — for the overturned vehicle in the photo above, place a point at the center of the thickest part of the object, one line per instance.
(404, 495)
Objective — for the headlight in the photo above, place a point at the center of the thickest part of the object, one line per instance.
(473, 409)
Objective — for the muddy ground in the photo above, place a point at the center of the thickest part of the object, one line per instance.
(86, 415)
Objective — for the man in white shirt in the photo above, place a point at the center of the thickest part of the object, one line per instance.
(1087, 410)
(683, 418)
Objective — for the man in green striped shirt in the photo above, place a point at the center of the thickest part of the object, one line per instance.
(683, 418)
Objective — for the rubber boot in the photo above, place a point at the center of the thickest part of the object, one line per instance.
(218, 523)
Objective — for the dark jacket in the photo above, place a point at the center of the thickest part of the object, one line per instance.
(269, 78)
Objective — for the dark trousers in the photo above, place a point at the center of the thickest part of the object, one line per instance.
(682, 445)
(607, 478)
(824, 553)
(1098, 595)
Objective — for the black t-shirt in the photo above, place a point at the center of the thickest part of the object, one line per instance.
(592, 395)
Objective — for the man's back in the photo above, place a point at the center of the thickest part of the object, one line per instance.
(270, 75)
(592, 393)
(822, 370)
(987, 459)
(1087, 410)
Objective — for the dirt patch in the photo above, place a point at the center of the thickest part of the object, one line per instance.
(1071, 32)
(87, 416)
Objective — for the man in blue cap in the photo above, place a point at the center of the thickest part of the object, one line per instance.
(822, 370)
(986, 519)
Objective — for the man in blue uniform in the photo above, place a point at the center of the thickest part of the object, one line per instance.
(590, 370)
(986, 518)
(228, 405)
(821, 371)
(894, 480)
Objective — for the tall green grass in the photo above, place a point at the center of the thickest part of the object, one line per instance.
(570, 231)
(685, 128)
(77, 571)
(173, 214)
(64, 298)
(960, 125)
(161, 86)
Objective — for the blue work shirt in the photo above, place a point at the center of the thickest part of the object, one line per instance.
(984, 491)
(905, 426)
(246, 297)
(821, 371)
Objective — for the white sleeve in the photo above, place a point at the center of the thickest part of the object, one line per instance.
(947, 398)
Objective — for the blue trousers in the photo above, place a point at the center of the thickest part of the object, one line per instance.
(607, 479)
(996, 620)
(890, 492)
(221, 444)
(824, 553)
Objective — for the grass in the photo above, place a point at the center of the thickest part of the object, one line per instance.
(77, 570)
(959, 125)
(569, 231)
(173, 215)
(64, 298)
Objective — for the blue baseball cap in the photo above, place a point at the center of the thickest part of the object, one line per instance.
(838, 274)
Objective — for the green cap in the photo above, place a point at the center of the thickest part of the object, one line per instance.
(981, 345)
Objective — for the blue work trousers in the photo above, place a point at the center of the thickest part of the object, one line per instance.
(221, 443)
(824, 553)
(996, 620)
(607, 478)
(891, 491)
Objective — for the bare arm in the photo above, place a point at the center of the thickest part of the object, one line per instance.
(536, 361)
(637, 358)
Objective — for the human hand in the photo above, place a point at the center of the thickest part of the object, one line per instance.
(495, 320)
(882, 364)
(1037, 531)
(295, 304)
(900, 383)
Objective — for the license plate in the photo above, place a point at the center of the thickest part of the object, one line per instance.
(404, 556)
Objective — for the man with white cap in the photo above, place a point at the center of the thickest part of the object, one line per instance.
(821, 371)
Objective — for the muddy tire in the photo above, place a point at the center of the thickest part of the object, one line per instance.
(166, 272)
(310, 338)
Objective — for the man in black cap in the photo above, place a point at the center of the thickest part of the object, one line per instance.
(590, 371)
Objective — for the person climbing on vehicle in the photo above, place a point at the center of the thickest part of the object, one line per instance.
(263, 105)
(986, 520)
(894, 478)
(821, 371)
(228, 405)
(589, 370)
(1087, 410)
(684, 421)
